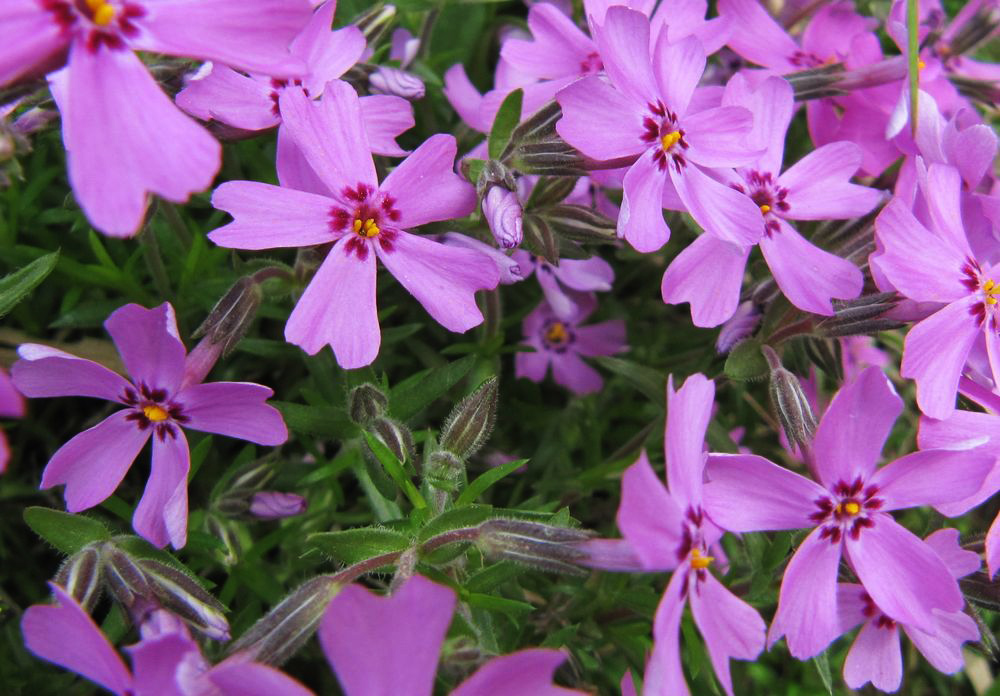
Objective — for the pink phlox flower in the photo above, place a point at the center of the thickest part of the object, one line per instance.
(509, 268)
(124, 137)
(384, 646)
(11, 406)
(848, 511)
(938, 265)
(815, 188)
(875, 654)
(646, 111)
(363, 220)
(858, 353)
(159, 403)
(567, 285)
(668, 529)
(563, 342)
(166, 662)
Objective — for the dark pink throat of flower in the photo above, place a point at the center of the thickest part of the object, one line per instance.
(369, 217)
(153, 408)
(102, 22)
(847, 511)
(661, 129)
(768, 196)
(987, 291)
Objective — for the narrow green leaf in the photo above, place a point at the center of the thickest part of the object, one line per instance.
(507, 118)
(456, 518)
(16, 286)
(67, 532)
(650, 382)
(746, 362)
(394, 468)
(913, 57)
(355, 545)
(498, 604)
(415, 393)
(482, 484)
(822, 663)
(326, 421)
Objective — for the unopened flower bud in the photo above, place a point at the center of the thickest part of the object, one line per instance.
(181, 594)
(80, 575)
(396, 82)
(552, 157)
(503, 212)
(366, 403)
(790, 402)
(510, 270)
(34, 119)
(471, 421)
(221, 530)
(495, 173)
(272, 505)
(283, 630)
(862, 316)
(542, 546)
(374, 23)
(232, 315)
(442, 470)
(740, 326)
(125, 578)
(581, 224)
(395, 436)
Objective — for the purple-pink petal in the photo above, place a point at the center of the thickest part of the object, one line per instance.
(237, 678)
(818, 186)
(525, 673)
(392, 644)
(44, 372)
(158, 662)
(623, 42)
(66, 635)
(600, 121)
(720, 137)
(689, 411)
(932, 477)
(721, 210)
(664, 675)
(161, 515)
(269, 217)
(93, 463)
(641, 221)
(604, 338)
(231, 98)
(29, 37)
(684, 280)
(759, 38)
(854, 428)
(385, 118)
(235, 409)
(943, 647)
(649, 517)
(570, 371)
(425, 187)
(678, 68)
(772, 103)
(875, 657)
(149, 344)
(558, 47)
(947, 545)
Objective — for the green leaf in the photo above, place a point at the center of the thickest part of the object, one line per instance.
(746, 362)
(415, 393)
(394, 468)
(650, 382)
(16, 286)
(507, 118)
(351, 546)
(498, 604)
(67, 532)
(456, 518)
(326, 421)
(822, 663)
(482, 484)
(471, 168)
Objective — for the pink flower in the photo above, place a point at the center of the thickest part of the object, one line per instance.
(363, 220)
(11, 406)
(124, 137)
(160, 400)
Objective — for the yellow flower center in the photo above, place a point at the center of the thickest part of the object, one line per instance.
(670, 139)
(366, 229)
(850, 507)
(699, 562)
(921, 65)
(102, 12)
(765, 208)
(155, 414)
(556, 333)
(990, 292)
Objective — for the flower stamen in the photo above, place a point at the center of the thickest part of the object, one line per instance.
(699, 562)
(366, 229)
(102, 12)
(670, 139)
(155, 413)
(990, 292)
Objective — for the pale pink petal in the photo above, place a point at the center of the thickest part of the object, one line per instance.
(972, 150)
(807, 606)
(30, 37)
(227, 31)
(294, 171)
(641, 221)
(731, 627)
(854, 428)
(664, 674)
(229, 97)
(684, 280)
(678, 68)
(993, 547)
(161, 515)
(235, 409)
(771, 103)
(587, 275)
(525, 673)
(93, 463)
(44, 371)
(393, 643)
(809, 276)
(947, 544)
(852, 603)
(444, 279)
(818, 186)
(903, 575)
(328, 54)
(385, 118)
(464, 97)
(936, 364)
(234, 678)
(874, 657)
(270, 217)
(125, 138)
(943, 647)
(425, 186)
(331, 135)
(649, 518)
(689, 411)
(148, 342)
(605, 338)
(758, 38)
(157, 663)
(570, 371)
(720, 137)
(338, 308)
(66, 635)
(558, 47)
(599, 120)
(719, 209)
(781, 498)
(943, 191)
(932, 477)
(623, 42)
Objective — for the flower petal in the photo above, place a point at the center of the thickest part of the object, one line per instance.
(444, 279)
(875, 657)
(525, 673)
(148, 342)
(393, 643)
(600, 121)
(425, 186)
(557, 48)
(649, 517)
(942, 189)
(932, 477)
(759, 38)
(771, 104)
(44, 371)
(641, 221)
(385, 118)
(719, 209)
(570, 371)
(605, 338)
(158, 661)
(947, 545)
(678, 68)
(294, 170)
(231, 98)
(623, 42)
(94, 462)
(30, 38)
(854, 428)
(235, 409)
(269, 217)
(689, 411)
(943, 647)
(338, 308)
(818, 187)
(720, 137)
(684, 280)
(234, 678)
(161, 515)
(778, 498)
(664, 674)
(66, 635)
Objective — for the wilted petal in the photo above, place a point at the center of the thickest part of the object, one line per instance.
(393, 643)
(269, 217)
(649, 518)
(149, 344)
(932, 477)
(707, 257)
(600, 121)
(44, 371)
(854, 428)
(641, 220)
(66, 635)
(338, 308)
(161, 516)
(875, 657)
(525, 673)
(94, 462)
(235, 409)
(778, 498)
(425, 186)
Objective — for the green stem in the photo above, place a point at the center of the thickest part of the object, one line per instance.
(176, 223)
(913, 58)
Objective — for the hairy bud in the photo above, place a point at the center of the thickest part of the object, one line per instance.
(442, 470)
(503, 213)
(396, 82)
(534, 544)
(232, 315)
(495, 173)
(80, 575)
(863, 316)
(366, 403)
(471, 421)
(272, 505)
(125, 579)
(790, 402)
(581, 224)
(395, 436)
(181, 594)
